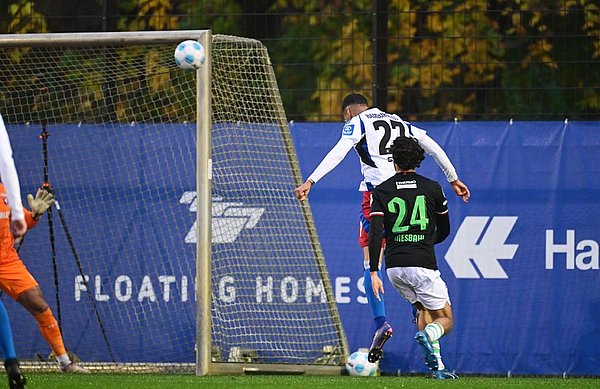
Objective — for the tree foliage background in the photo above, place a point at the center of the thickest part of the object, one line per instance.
(489, 60)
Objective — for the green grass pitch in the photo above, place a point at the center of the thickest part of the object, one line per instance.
(166, 381)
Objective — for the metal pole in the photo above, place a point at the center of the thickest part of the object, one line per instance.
(46, 186)
(109, 12)
(204, 210)
(380, 53)
(89, 39)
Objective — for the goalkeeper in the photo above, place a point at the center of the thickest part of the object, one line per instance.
(20, 285)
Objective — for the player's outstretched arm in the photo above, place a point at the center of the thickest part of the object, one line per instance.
(461, 190)
(329, 162)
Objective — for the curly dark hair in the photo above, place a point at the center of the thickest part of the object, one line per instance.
(407, 153)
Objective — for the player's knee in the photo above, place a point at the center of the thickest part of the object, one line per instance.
(37, 307)
(33, 301)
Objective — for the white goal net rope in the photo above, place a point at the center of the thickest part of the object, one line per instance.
(113, 128)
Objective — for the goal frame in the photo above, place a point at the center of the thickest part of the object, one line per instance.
(204, 122)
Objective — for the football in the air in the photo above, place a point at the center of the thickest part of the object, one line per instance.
(190, 55)
(358, 365)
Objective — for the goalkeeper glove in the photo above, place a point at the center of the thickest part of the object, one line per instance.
(40, 204)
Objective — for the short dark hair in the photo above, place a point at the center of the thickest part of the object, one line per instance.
(353, 98)
(407, 153)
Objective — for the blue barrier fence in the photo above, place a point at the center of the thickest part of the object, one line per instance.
(521, 262)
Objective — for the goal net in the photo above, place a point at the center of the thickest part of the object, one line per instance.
(113, 125)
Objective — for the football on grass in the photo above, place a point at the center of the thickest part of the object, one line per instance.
(358, 365)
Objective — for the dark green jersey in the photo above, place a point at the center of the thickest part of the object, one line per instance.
(410, 205)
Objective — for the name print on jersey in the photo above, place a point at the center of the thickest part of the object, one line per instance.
(409, 184)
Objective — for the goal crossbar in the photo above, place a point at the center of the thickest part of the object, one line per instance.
(99, 38)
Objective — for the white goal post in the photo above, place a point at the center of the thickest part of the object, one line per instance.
(177, 242)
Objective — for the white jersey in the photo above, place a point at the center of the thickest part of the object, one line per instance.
(8, 174)
(372, 133)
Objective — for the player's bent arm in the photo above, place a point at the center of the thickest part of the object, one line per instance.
(439, 155)
(375, 240)
(442, 230)
(332, 159)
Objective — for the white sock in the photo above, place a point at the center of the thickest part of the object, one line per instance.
(434, 331)
(437, 351)
(63, 360)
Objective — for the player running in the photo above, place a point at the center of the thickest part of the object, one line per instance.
(415, 212)
(371, 132)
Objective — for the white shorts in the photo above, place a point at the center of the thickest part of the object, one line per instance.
(419, 284)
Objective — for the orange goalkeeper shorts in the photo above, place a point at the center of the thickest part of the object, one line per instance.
(15, 278)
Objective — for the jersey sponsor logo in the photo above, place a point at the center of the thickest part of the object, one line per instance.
(228, 218)
(348, 129)
(410, 184)
(479, 245)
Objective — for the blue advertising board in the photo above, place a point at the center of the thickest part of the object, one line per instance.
(521, 262)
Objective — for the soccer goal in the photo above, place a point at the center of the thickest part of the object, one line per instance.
(177, 243)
